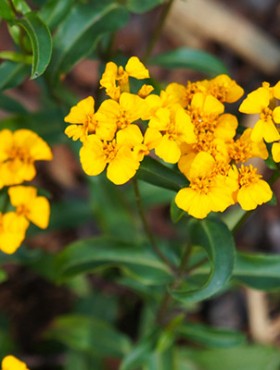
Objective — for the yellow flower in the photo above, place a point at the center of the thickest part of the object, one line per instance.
(176, 128)
(118, 155)
(12, 231)
(18, 152)
(83, 122)
(12, 363)
(224, 89)
(208, 190)
(115, 79)
(253, 190)
(119, 115)
(275, 151)
(152, 137)
(259, 102)
(30, 206)
(243, 148)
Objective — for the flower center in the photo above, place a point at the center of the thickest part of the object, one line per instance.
(110, 150)
(266, 114)
(122, 121)
(16, 152)
(201, 184)
(240, 150)
(248, 175)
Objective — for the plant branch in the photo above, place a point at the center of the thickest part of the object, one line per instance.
(147, 229)
(157, 32)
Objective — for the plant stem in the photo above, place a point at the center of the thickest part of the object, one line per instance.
(167, 298)
(147, 229)
(157, 32)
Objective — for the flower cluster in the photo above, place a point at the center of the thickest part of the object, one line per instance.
(184, 125)
(10, 362)
(19, 150)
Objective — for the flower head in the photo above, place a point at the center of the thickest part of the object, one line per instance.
(12, 231)
(253, 190)
(18, 152)
(208, 190)
(117, 155)
(30, 206)
(115, 79)
(12, 363)
(260, 102)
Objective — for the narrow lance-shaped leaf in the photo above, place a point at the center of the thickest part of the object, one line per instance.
(189, 58)
(53, 11)
(259, 271)
(89, 334)
(216, 239)
(41, 42)
(75, 40)
(136, 259)
(209, 336)
(12, 74)
(156, 173)
(5, 11)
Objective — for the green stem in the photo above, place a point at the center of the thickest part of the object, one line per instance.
(157, 32)
(167, 298)
(147, 229)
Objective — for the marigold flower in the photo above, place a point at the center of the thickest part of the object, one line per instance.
(83, 122)
(117, 155)
(30, 206)
(224, 89)
(176, 128)
(12, 363)
(118, 115)
(115, 79)
(18, 152)
(243, 148)
(208, 190)
(12, 231)
(259, 102)
(253, 190)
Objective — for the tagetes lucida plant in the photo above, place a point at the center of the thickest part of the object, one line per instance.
(19, 151)
(184, 125)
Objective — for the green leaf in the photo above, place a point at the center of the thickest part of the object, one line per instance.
(53, 11)
(176, 213)
(160, 360)
(12, 74)
(190, 58)
(95, 253)
(156, 173)
(75, 40)
(112, 210)
(15, 57)
(69, 214)
(3, 276)
(41, 42)
(9, 104)
(250, 357)
(259, 271)
(216, 239)
(6, 11)
(90, 335)
(48, 123)
(21, 6)
(140, 352)
(142, 6)
(210, 337)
